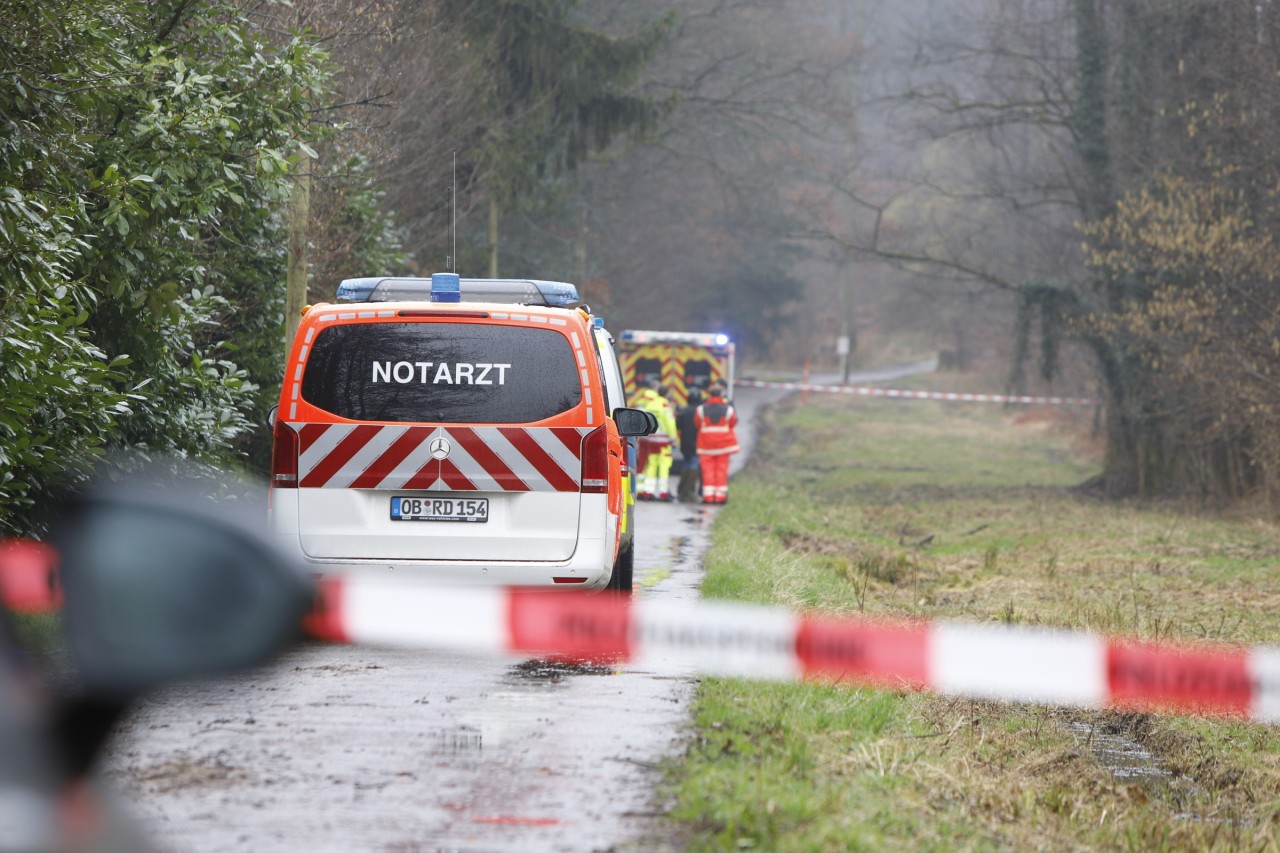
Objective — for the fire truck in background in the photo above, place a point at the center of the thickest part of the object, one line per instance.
(681, 361)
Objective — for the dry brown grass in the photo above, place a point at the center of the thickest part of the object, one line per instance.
(938, 512)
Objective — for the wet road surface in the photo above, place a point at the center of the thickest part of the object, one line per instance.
(346, 748)
(343, 748)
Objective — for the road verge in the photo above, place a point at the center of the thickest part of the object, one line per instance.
(945, 511)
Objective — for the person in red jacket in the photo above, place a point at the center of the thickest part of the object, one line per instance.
(717, 441)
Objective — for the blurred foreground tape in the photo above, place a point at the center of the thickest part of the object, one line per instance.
(862, 391)
(29, 576)
(748, 641)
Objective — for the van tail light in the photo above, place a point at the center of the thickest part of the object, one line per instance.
(284, 457)
(595, 462)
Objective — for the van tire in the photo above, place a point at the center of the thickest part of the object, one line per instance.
(623, 571)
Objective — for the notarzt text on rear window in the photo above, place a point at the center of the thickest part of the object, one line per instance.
(462, 373)
(441, 372)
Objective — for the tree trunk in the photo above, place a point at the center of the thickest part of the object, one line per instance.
(580, 246)
(1089, 115)
(1133, 445)
(493, 237)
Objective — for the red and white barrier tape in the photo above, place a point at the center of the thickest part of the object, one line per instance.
(29, 580)
(1017, 664)
(863, 391)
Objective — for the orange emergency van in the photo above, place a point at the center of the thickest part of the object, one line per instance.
(467, 441)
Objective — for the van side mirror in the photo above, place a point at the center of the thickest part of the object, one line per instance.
(635, 422)
(162, 584)
(271, 416)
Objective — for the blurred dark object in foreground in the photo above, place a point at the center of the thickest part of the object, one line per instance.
(161, 577)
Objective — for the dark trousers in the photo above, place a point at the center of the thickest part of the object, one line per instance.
(690, 480)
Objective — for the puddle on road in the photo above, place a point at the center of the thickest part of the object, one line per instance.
(679, 549)
(703, 515)
(531, 698)
(554, 671)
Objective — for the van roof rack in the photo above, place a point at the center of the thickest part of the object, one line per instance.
(519, 291)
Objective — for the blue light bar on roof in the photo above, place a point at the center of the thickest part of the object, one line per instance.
(523, 291)
(357, 289)
(558, 292)
(519, 291)
(702, 339)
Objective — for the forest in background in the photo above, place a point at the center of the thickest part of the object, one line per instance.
(1083, 186)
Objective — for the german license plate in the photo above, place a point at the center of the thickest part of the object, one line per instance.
(440, 509)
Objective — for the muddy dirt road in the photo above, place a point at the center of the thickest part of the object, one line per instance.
(341, 748)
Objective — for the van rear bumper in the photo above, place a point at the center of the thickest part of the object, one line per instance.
(584, 571)
(589, 567)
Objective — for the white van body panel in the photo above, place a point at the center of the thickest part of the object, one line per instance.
(590, 559)
(524, 526)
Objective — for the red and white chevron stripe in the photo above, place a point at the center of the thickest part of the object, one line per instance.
(374, 456)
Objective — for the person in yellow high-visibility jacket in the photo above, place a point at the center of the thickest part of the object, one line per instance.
(655, 482)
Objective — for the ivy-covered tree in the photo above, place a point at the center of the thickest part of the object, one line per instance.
(1179, 307)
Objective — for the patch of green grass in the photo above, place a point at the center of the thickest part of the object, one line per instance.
(964, 511)
(755, 745)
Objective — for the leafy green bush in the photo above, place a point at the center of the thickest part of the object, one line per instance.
(145, 150)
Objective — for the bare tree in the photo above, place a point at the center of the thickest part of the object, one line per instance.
(691, 231)
(1036, 117)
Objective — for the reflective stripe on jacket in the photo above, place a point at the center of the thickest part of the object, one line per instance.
(716, 421)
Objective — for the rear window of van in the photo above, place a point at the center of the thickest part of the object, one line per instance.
(441, 373)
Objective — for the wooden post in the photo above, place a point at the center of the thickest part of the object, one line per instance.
(493, 237)
(580, 246)
(296, 278)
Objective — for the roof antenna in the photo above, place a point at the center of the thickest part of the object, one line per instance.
(453, 266)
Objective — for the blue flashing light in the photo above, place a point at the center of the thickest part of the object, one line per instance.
(721, 340)
(598, 322)
(557, 292)
(357, 289)
(446, 287)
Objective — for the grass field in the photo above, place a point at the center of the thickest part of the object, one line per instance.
(968, 511)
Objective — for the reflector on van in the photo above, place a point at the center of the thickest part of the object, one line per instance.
(518, 291)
